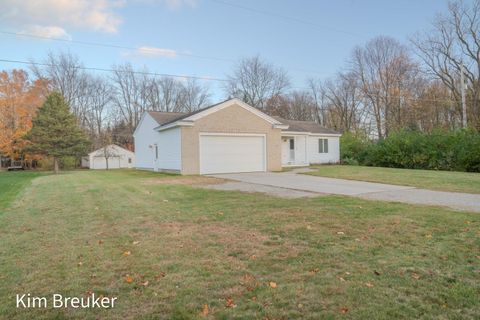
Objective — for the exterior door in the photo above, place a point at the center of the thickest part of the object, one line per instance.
(292, 150)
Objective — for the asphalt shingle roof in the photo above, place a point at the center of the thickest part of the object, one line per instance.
(164, 117)
(305, 126)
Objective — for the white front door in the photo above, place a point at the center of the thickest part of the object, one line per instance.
(225, 153)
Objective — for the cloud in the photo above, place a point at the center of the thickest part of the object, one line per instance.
(155, 52)
(172, 4)
(146, 51)
(47, 32)
(95, 15)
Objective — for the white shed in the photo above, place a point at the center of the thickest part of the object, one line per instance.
(116, 157)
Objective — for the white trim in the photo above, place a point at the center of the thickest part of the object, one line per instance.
(226, 134)
(182, 123)
(311, 134)
(281, 126)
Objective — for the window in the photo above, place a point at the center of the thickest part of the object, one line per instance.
(156, 152)
(322, 145)
(292, 144)
(129, 160)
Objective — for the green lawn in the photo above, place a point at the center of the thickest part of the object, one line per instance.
(428, 179)
(166, 249)
(12, 183)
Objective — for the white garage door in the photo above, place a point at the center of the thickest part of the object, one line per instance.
(101, 163)
(232, 153)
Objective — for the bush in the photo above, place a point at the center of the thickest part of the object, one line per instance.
(439, 150)
(353, 147)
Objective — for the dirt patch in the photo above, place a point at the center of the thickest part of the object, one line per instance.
(185, 180)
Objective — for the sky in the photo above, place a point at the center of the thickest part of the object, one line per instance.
(205, 38)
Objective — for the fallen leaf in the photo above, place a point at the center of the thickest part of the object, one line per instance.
(230, 303)
(344, 310)
(160, 275)
(253, 257)
(205, 310)
(80, 263)
(300, 305)
(165, 200)
(145, 283)
(340, 233)
(126, 253)
(135, 242)
(376, 272)
(415, 276)
(273, 284)
(341, 279)
(315, 270)
(347, 273)
(254, 298)
(88, 292)
(428, 236)
(96, 208)
(220, 213)
(100, 241)
(128, 279)
(368, 284)
(309, 228)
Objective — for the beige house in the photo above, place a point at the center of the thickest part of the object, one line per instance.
(228, 137)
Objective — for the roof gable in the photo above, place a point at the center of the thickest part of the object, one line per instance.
(191, 117)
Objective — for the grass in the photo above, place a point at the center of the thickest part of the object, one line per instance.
(12, 183)
(330, 257)
(428, 179)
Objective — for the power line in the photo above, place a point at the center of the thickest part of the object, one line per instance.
(113, 70)
(278, 15)
(145, 50)
(115, 46)
(190, 77)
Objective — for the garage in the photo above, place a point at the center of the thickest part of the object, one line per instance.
(118, 157)
(226, 153)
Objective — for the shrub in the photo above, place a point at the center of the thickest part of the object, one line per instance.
(411, 149)
(353, 147)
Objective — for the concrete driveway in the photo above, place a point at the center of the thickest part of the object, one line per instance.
(366, 190)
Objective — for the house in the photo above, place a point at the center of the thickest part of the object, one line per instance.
(117, 157)
(230, 136)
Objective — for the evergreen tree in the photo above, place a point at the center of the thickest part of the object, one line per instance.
(55, 132)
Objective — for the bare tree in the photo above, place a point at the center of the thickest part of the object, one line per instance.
(130, 98)
(453, 42)
(319, 98)
(383, 67)
(64, 74)
(169, 97)
(345, 97)
(194, 96)
(256, 81)
(99, 95)
(297, 105)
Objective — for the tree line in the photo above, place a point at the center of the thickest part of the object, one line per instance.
(384, 86)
